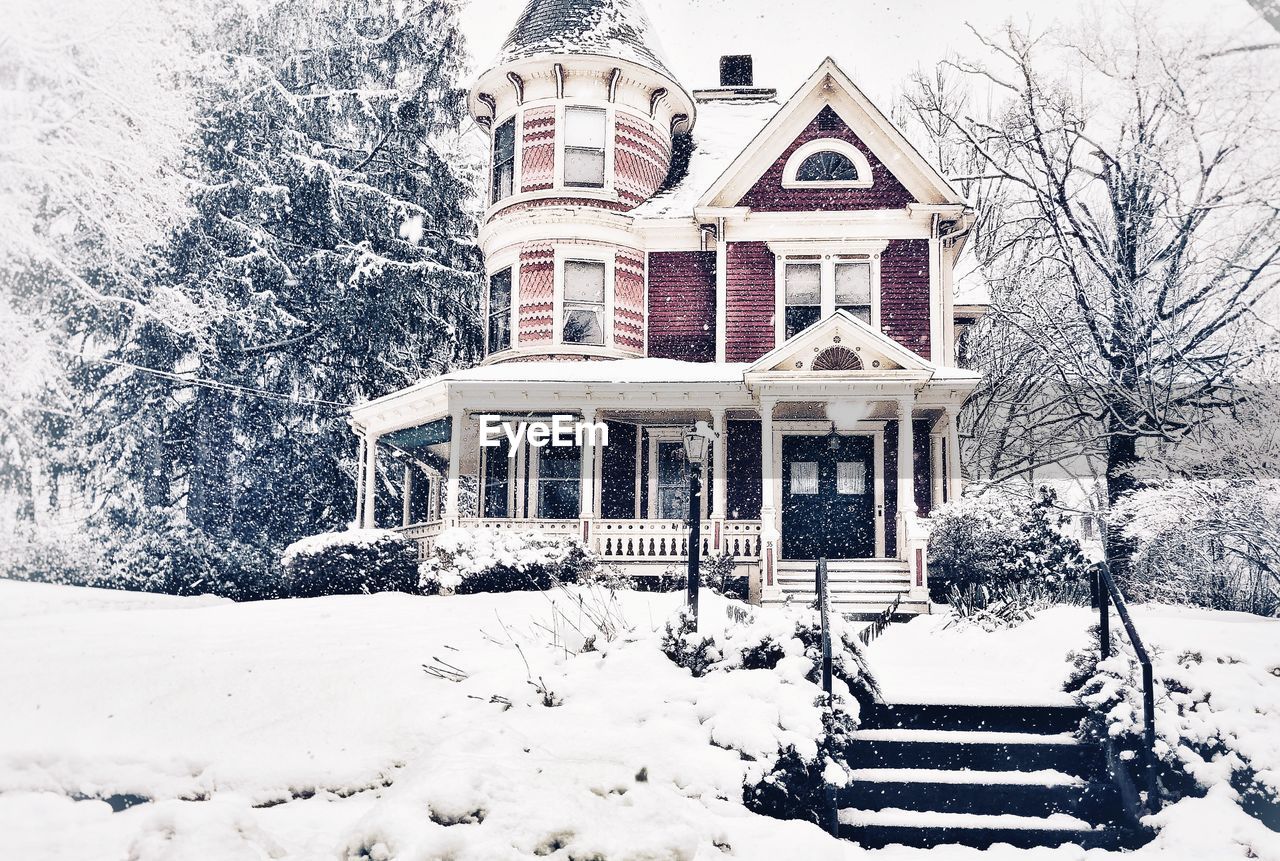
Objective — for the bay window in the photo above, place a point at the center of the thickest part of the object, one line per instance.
(584, 143)
(504, 160)
(583, 302)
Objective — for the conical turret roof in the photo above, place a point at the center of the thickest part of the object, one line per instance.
(608, 28)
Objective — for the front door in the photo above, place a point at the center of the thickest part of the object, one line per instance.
(828, 497)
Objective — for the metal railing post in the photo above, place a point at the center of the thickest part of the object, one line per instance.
(823, 611)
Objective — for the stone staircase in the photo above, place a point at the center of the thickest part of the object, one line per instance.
(925, 775)
(860, 588)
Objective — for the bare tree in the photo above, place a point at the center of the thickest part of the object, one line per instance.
(1129, 231)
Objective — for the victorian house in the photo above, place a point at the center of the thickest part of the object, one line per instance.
(780, 268)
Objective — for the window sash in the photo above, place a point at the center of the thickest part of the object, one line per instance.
(499, 333)
(584, 147)
(803, 283)
(584, 302)
(504, 160)
(673, 481)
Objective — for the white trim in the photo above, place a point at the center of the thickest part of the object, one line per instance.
(830, 86)
(722, 292)
(844, 148)
(820, 332)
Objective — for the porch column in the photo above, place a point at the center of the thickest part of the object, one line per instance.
(719, 478)
(955, 477)
(370, 479)
(359, 518)
(720, 464)
(906, 461)
(408, 492)
(770, 539)
(587, 468)
(455, 466)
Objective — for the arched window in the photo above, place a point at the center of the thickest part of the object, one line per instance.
(827, 166)
(828, 163)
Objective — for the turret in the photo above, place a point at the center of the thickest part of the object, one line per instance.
(581, 110)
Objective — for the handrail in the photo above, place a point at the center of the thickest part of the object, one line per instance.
(823, 595)
(1105, 592)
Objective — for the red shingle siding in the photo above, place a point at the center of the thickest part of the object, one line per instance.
(538, 153)
(628, 300)
(641, 160)
(537, 287)
(768, 195)
(749, 301)
(904, 294)
(682, 305)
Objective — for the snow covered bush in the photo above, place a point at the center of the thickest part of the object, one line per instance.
(792, 785)
(355, 562)
(1215, 719)
(1210, 543)
(467, 561)
(996, 558)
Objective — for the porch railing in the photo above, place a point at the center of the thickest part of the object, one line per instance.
(616, 540)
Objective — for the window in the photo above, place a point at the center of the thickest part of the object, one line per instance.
(497, 479)
(827, 162)
(815, 280)
(804, 477)
(583, 302)
(853, 289)
(851, 478)
(559, 468)
(584, 136)
(499, 311)
(504, 160)
(673, 481)
(803, 296)
(827, 166)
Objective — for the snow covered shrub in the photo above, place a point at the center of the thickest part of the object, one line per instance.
(996, 558)
(355, 562)
(1215, 720)
(28, 552)
(681, 643)
(467, 561)
(1208, 543)
(719, 574)
(796, 786)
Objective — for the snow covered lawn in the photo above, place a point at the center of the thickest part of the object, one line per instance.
(308, 729)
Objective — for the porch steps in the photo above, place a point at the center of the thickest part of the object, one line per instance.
(861, 588)
(925, 775)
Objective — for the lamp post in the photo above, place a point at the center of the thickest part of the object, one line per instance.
(696, 441)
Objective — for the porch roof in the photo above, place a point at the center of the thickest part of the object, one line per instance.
(640, 383)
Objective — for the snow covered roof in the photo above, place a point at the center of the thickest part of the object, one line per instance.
(612, 371)
(722, 131)
(609, 28)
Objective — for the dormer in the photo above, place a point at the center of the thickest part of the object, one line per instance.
(580, 108)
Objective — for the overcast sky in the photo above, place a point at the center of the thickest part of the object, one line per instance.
(878, 42)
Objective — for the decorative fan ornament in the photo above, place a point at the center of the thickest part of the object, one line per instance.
(836, 359)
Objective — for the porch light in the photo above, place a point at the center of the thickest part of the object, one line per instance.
(695, 447)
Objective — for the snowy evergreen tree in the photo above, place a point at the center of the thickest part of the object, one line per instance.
(330, 259)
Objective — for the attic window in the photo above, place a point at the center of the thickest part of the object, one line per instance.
(827, 163)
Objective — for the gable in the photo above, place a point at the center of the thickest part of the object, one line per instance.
(770, 195)
(840, 344)
(829, 95)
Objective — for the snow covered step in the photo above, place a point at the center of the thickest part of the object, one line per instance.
(876, 828)
(1001, 718)
(1044, 777)
(1036, 793)
(853, 578)
(972, 751)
